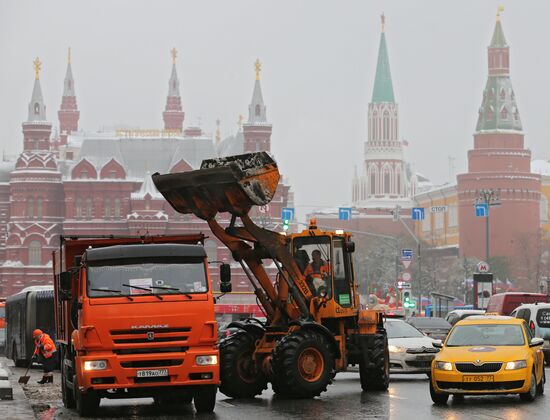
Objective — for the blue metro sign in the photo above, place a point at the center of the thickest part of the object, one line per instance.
(482, 210)
(287, 213)
(344, 213)
(418, 213)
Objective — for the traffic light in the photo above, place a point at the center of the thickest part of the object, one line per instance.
(407, 299)
(286, 224)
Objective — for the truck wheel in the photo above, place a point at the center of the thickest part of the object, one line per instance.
(205, 398)
(302, 364)
(86, 404)
(241, 377)
(374, 370)
(67, 394)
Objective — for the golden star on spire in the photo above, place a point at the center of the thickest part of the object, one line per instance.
(258, 67)
(382, 22)
(500, 9)
(69, 56)
(37, 67)
(174, 53)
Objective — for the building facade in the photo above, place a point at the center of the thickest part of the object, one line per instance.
(99, 183)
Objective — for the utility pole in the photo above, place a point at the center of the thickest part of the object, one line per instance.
(397, 212)
(490, 197)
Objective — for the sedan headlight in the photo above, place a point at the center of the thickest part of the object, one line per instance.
(206, 360)
(95, 365)
(444, 365)
(517, 364)
(396, 349)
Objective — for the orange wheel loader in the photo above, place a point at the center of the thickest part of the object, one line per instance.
(315, 326)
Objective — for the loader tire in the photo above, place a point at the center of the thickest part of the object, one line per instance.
(302, 365)
(375, 370)
(241, 376)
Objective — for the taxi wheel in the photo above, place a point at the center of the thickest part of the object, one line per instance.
(437, 398)
(532, 393)
(540, 386)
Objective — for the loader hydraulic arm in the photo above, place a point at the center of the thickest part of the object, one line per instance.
(234, 184)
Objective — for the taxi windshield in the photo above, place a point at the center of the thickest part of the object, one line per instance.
(486, 335)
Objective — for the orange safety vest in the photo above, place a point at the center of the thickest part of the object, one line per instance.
(48, 346)
(323, 269)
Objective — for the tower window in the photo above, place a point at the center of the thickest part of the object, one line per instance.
(30, 207)
(504, 113)
(373, 183)
(386, 182)
(117, 207)
(39, 208)
(36, 108)
(502, 94)
(258, 111)
(107, 208)
(35, 253)
(89, 208)
(79, 207)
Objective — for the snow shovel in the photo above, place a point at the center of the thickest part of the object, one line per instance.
(24, 379)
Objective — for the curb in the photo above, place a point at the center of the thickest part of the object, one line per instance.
(18, 406)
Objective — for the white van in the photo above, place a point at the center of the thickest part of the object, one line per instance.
(537, 317)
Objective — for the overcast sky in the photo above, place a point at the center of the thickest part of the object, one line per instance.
(319, 59)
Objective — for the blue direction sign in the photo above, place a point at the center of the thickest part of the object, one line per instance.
(406, 254)
(418, 213)
(287, 213)
(344, 213)
(482, 210)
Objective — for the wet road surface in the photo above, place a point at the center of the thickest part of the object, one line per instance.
(408, 398)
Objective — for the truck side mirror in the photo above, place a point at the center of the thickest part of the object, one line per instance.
(65, 285)
(350, 247)
(225, 278)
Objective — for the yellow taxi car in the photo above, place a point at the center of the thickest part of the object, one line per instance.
(487, 354)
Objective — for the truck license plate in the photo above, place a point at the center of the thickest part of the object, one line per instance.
(153, 373)
(478, 378)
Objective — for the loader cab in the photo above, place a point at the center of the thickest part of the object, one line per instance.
(325, 259)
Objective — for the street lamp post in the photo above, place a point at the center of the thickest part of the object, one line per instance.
(490, 197)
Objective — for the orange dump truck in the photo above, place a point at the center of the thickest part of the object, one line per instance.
(135, 318)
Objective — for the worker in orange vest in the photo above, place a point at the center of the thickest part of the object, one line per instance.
(44, 353)
(318, 272)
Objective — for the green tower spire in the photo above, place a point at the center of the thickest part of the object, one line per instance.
(383, 88)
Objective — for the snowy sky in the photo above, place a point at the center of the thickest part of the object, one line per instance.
(319, 59)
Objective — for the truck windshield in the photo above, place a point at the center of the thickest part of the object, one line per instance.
(145, 278)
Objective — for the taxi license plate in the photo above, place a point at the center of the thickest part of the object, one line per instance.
(153, 373)
(478, 378)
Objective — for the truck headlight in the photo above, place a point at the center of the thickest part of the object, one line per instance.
(95, 365)
(444, 366)
(396, 349)
(518, 364)
(206, 360)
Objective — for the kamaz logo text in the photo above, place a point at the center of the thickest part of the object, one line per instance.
(148, 327)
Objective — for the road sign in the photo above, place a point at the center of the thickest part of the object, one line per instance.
(344, 213)
(264, 209)
(483, 267)
(406, 263)
(403, 285)
(439, 209)
(418, 213)
(482, 210)
(406, 276)
(406, 254)
(287, 213)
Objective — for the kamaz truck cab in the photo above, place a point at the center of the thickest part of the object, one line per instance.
(135, 318)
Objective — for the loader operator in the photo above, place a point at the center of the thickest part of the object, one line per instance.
(44, 353)
(318, 271)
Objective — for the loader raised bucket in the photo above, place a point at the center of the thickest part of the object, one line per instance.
(230, 184)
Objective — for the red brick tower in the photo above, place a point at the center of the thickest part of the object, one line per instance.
(501, 165)
(173, 114)
(68, 113)
(257, 131)
(36, 205)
